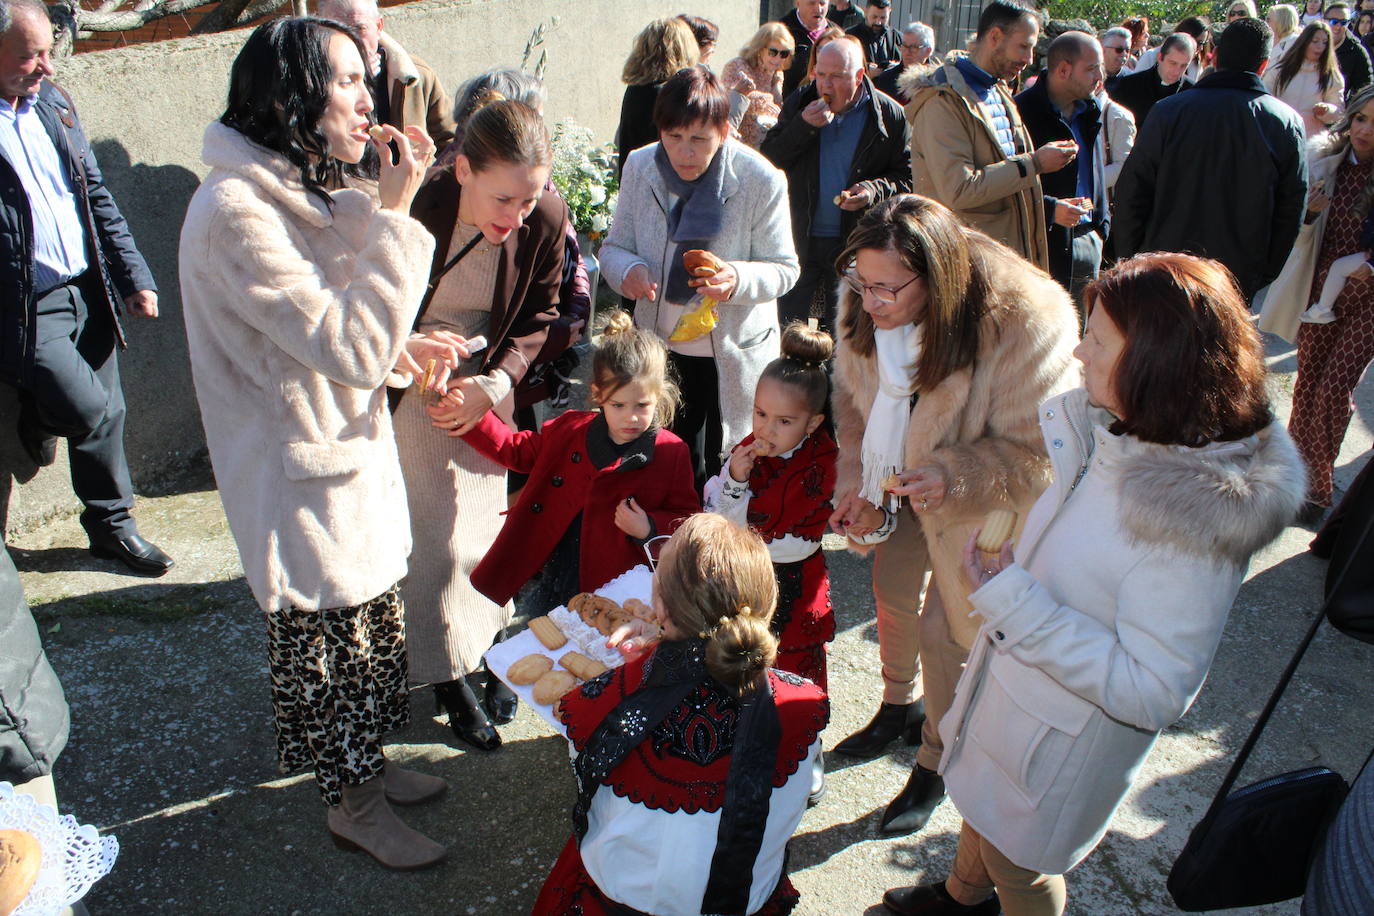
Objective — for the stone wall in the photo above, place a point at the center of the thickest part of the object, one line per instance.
(146, 106)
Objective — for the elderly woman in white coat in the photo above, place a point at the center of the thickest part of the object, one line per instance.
(298, 303)
(1168, 475)
(698, 189)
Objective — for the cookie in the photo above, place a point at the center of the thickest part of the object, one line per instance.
(547, 632)
(20, 857)
(638, 608)
(552, 686)
(376, 132)
(581, 666)
(529, 669)
(891, 482)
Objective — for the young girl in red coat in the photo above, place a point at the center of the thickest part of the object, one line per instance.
(780, 481)
(601, 483)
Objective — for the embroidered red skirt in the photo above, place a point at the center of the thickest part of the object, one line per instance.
(804, 621)
(570, 891)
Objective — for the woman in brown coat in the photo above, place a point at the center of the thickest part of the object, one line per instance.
(948, 343)
(490, 213)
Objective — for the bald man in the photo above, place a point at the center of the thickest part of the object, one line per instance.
(844, 146)
(1062, 106)
(405, 89)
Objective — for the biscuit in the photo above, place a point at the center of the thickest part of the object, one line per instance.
(596, 611)
(376, 132)
(581, 666)
(638, 608)
(997, 529)
(20, 857)
(891, 482)
(762, 449)
(552, 686)
(529, 669)
(548, 633)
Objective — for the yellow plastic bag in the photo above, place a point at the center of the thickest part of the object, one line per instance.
(696, 322)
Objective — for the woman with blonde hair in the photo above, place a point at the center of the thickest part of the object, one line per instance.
(662, 48)
(689, 756)
(948, 342)
(1284, 22)
(1096, 631)
(1308, 78)
(754, 81)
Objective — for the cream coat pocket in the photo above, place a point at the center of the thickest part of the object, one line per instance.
(309, 460)
(1027, 724)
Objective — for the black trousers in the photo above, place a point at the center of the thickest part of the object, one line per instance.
(76, 394)
(1076, 264)
(817, 270)
(698, 420)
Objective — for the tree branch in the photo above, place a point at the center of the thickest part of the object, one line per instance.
(95, 21)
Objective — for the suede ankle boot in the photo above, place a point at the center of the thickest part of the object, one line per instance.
(365, 821)
(410, 787)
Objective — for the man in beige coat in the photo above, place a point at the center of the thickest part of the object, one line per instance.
(969, 149)
(405, 89)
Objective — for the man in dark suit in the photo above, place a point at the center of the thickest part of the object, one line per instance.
(1140, 91)
(806, 22)
(67, 267)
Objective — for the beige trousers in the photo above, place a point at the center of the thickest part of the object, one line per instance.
(979, 869)
(913, 632)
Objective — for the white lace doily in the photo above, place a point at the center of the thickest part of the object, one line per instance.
(75, 856)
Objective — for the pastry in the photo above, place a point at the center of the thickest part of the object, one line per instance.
(581, 666)
(891, 482)
(762, 449)
(597, 612)
(701, 263)
(638, 608)
(839, 198)
(20, 857)
(997, 529)
(529, 669)
(552, 686)
(548, 633)
(376, 132)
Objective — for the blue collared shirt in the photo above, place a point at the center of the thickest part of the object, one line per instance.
(1084, 160)
(59, 240)
(839, 141)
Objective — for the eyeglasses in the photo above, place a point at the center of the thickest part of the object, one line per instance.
(780, 52)
(1338, 22)
(884, 294)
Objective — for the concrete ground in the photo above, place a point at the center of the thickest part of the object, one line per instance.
(172, 747)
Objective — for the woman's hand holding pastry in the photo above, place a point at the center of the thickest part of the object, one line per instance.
(925, 487)
(444, 347)
(719, 286)
(979, 566)
(401, 178)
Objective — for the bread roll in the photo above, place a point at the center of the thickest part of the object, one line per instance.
(701, 263)
(20, 857)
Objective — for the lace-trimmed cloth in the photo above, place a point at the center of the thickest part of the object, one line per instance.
(75, 856)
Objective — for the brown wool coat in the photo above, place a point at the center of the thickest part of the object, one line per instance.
(979, 425)
(956, 159)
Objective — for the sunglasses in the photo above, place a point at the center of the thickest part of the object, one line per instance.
(1338, 22)
(1117, 49)
(780, 52)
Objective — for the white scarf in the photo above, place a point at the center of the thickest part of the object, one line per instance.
(884, 450)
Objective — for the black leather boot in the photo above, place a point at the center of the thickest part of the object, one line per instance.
(934, 900)
(912, 807)
(500, 701)
(893, 721)
(466, 716)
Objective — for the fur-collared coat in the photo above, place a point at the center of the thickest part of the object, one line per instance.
(957, 160)
(1100, 634)
(295, 314)
(416, 94)
(978, 425)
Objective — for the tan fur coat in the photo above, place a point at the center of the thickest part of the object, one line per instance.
(979, 424)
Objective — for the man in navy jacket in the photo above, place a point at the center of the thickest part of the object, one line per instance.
(68, 265)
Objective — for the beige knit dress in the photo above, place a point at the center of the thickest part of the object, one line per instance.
(456, 496)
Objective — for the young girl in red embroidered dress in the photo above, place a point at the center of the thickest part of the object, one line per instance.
(602, 483)
(686, 751)
(780, 482)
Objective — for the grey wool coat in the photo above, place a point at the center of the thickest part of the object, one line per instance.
(755, 239)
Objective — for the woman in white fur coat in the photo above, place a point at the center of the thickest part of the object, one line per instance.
(1169, 473)
(948, 343)
(733, 204)
(298, 302)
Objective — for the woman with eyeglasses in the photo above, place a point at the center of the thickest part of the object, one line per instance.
(754, 81)
(948, 342)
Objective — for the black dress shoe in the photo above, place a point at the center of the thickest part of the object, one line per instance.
(466, 717)
(912, 807)
(500, 701)
(934, 900)
(38, 445)
(893, 721)
(134, 552)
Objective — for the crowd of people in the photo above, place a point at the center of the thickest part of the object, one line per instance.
(937, 287)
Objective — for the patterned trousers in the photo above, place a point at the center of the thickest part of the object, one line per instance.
(338, 686)
(1331, 361)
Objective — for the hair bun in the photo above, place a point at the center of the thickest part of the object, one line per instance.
(619, 323)
(804, 344)
(740, 650)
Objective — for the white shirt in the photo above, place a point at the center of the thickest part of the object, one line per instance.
(59, 239)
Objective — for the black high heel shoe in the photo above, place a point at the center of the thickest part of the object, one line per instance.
(466, 716)
(892, 721)
(500, 701)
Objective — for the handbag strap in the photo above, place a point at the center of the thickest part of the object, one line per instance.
(1234, 773)
(434, 281)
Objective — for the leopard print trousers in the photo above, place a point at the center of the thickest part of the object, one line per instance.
(338, 686)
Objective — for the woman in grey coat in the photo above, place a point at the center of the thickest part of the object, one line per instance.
(697, 189)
